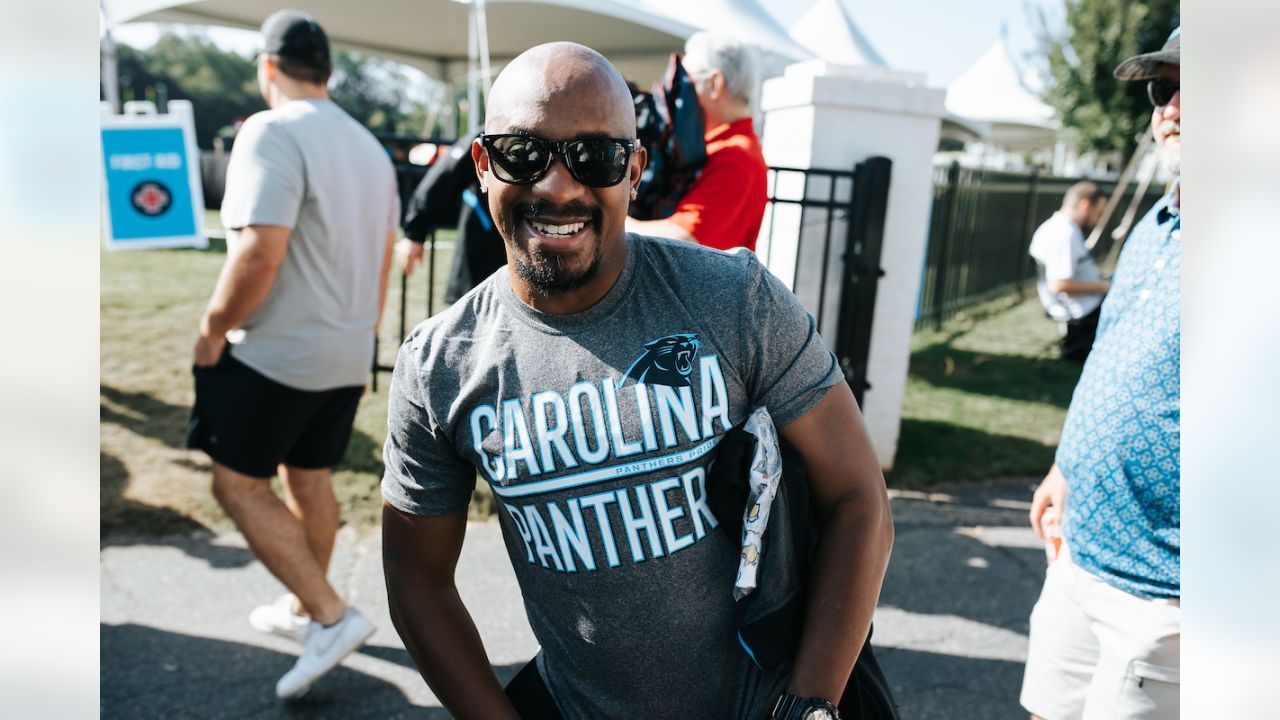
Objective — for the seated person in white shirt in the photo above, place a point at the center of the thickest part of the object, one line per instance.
(1069, 282)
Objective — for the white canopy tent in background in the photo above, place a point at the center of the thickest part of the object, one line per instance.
(828, 31)
(745, 20)
(994, 94)
(433, 35)
(438, 36)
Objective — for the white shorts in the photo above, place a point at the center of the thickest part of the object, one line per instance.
(1098, 652)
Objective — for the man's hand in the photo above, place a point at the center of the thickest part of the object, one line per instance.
(408, 254)
(1052, 492)
(209, 349)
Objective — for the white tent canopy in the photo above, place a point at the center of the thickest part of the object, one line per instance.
(432, 35)
(992, 91)
(744, 20)
(829, 32)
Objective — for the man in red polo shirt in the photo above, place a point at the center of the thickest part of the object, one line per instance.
(725, 206)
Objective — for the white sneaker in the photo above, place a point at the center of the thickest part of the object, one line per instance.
(278, 618)
(323, 649)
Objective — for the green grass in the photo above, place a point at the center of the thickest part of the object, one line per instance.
(985, 397)
(151, 301)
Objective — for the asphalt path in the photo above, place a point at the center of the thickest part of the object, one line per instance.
(950, 631)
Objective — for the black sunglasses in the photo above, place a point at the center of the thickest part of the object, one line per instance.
(1161, 92)
(525, 159)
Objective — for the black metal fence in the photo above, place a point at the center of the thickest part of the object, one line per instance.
(831, 222)
(980, 230)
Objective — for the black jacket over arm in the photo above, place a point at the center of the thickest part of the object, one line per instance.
(438, 202)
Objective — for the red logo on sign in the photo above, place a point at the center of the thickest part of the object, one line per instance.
(151, 198)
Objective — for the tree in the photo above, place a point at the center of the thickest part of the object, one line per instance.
(221, 85)
(1098, 112)
(371, 91)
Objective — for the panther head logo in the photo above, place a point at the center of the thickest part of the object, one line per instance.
(666, 361)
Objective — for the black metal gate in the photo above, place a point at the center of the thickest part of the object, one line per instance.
(833, 221)
(836, 228)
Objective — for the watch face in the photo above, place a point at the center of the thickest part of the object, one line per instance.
(819, 714)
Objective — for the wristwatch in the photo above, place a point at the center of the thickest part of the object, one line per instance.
(794, 707)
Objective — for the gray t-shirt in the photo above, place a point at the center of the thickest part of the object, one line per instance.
(309, 166)
(595, 431)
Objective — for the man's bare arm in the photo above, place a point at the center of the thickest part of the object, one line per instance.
(419, 556)
(1079, 287)
(659, 228)
(252, 263)
(852, 505)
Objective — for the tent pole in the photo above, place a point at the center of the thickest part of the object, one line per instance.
(473, 56)
(1126, 223)
(482, 34)
(110, 72)
(1121, 185)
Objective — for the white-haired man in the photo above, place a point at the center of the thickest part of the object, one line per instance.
(725, 206)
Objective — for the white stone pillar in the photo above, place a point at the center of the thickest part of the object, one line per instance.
(829, 116)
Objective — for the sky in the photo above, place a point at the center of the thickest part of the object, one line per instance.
(144, 34)
(938, 37)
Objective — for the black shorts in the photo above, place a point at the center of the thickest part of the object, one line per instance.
(251, 424)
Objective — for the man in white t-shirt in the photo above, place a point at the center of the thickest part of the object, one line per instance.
(1069, 282)
(286, 344)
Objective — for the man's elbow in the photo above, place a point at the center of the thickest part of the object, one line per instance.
(887, 530)
(265, 265)
(870, 513)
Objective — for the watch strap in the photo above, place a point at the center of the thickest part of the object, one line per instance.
(794, 707)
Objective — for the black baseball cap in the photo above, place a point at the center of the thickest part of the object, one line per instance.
(1147, 65)
(297, 36)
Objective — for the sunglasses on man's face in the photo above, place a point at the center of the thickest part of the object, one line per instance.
(1161, 92)
(525, 159)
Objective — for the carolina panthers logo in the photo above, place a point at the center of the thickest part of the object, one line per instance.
(666, 361)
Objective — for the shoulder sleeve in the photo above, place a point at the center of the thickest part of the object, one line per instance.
(265, 178)
(1052, 246)
(718, 200)
(789, 368)
(424, 474)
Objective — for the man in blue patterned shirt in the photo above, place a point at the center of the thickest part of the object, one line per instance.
(1105, 634)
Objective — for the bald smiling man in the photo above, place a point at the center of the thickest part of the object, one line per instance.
(588, 383)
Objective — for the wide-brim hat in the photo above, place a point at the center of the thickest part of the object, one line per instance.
(1147, 65)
